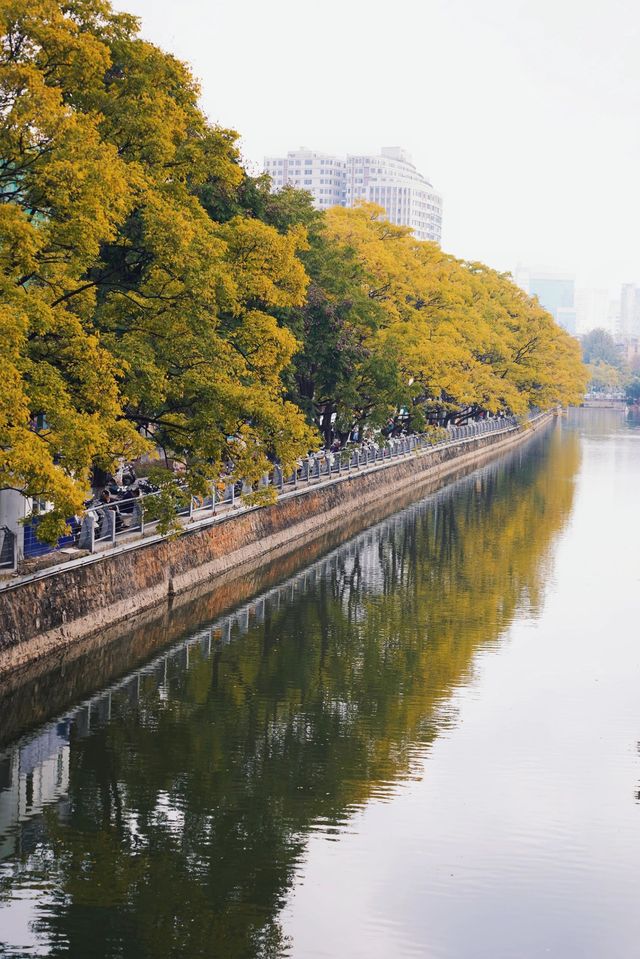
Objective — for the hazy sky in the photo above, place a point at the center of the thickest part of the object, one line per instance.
(524, 113)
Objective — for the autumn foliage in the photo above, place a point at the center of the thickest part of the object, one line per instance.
(153, 293)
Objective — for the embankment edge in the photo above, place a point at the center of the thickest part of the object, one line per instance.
(51, 614)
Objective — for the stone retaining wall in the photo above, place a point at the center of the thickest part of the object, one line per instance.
(52, 612)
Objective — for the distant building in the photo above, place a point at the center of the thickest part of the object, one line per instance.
(568, 319)
(629, 318)
(555, 292)
(592, 310)
(614, 317)
(392, 181)
(322, 175)
(389, 179)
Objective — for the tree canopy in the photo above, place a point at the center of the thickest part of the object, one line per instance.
(394, 324)
(155, 294)
(598, 346)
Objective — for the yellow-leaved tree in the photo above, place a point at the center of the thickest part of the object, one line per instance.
(153, 294)
(187, 293)
(128, 310)
(396, 331)
(63, 191)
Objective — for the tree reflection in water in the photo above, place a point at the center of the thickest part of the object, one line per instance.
(185, 811)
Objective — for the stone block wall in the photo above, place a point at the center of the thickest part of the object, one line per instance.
(58, 609)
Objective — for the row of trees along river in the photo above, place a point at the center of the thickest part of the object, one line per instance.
(154, 294)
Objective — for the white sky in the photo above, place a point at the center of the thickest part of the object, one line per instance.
(524, 113)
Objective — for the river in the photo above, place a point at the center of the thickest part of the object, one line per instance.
(424, 744)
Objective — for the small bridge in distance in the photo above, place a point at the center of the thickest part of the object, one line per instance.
(605, 401)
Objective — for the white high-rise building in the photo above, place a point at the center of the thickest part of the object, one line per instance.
(392, 181)
(592, 310)
(389, 179)
(321, 175)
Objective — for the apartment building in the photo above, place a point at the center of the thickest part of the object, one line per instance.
(389, 179)
(322, 175)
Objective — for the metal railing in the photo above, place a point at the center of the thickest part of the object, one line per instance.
(104, 526)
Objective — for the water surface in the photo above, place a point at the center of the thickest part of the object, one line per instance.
(426, 744)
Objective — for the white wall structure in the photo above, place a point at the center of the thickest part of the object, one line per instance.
(14, 508)
(389, 179)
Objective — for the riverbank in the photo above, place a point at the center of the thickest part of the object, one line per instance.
(57, 609)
